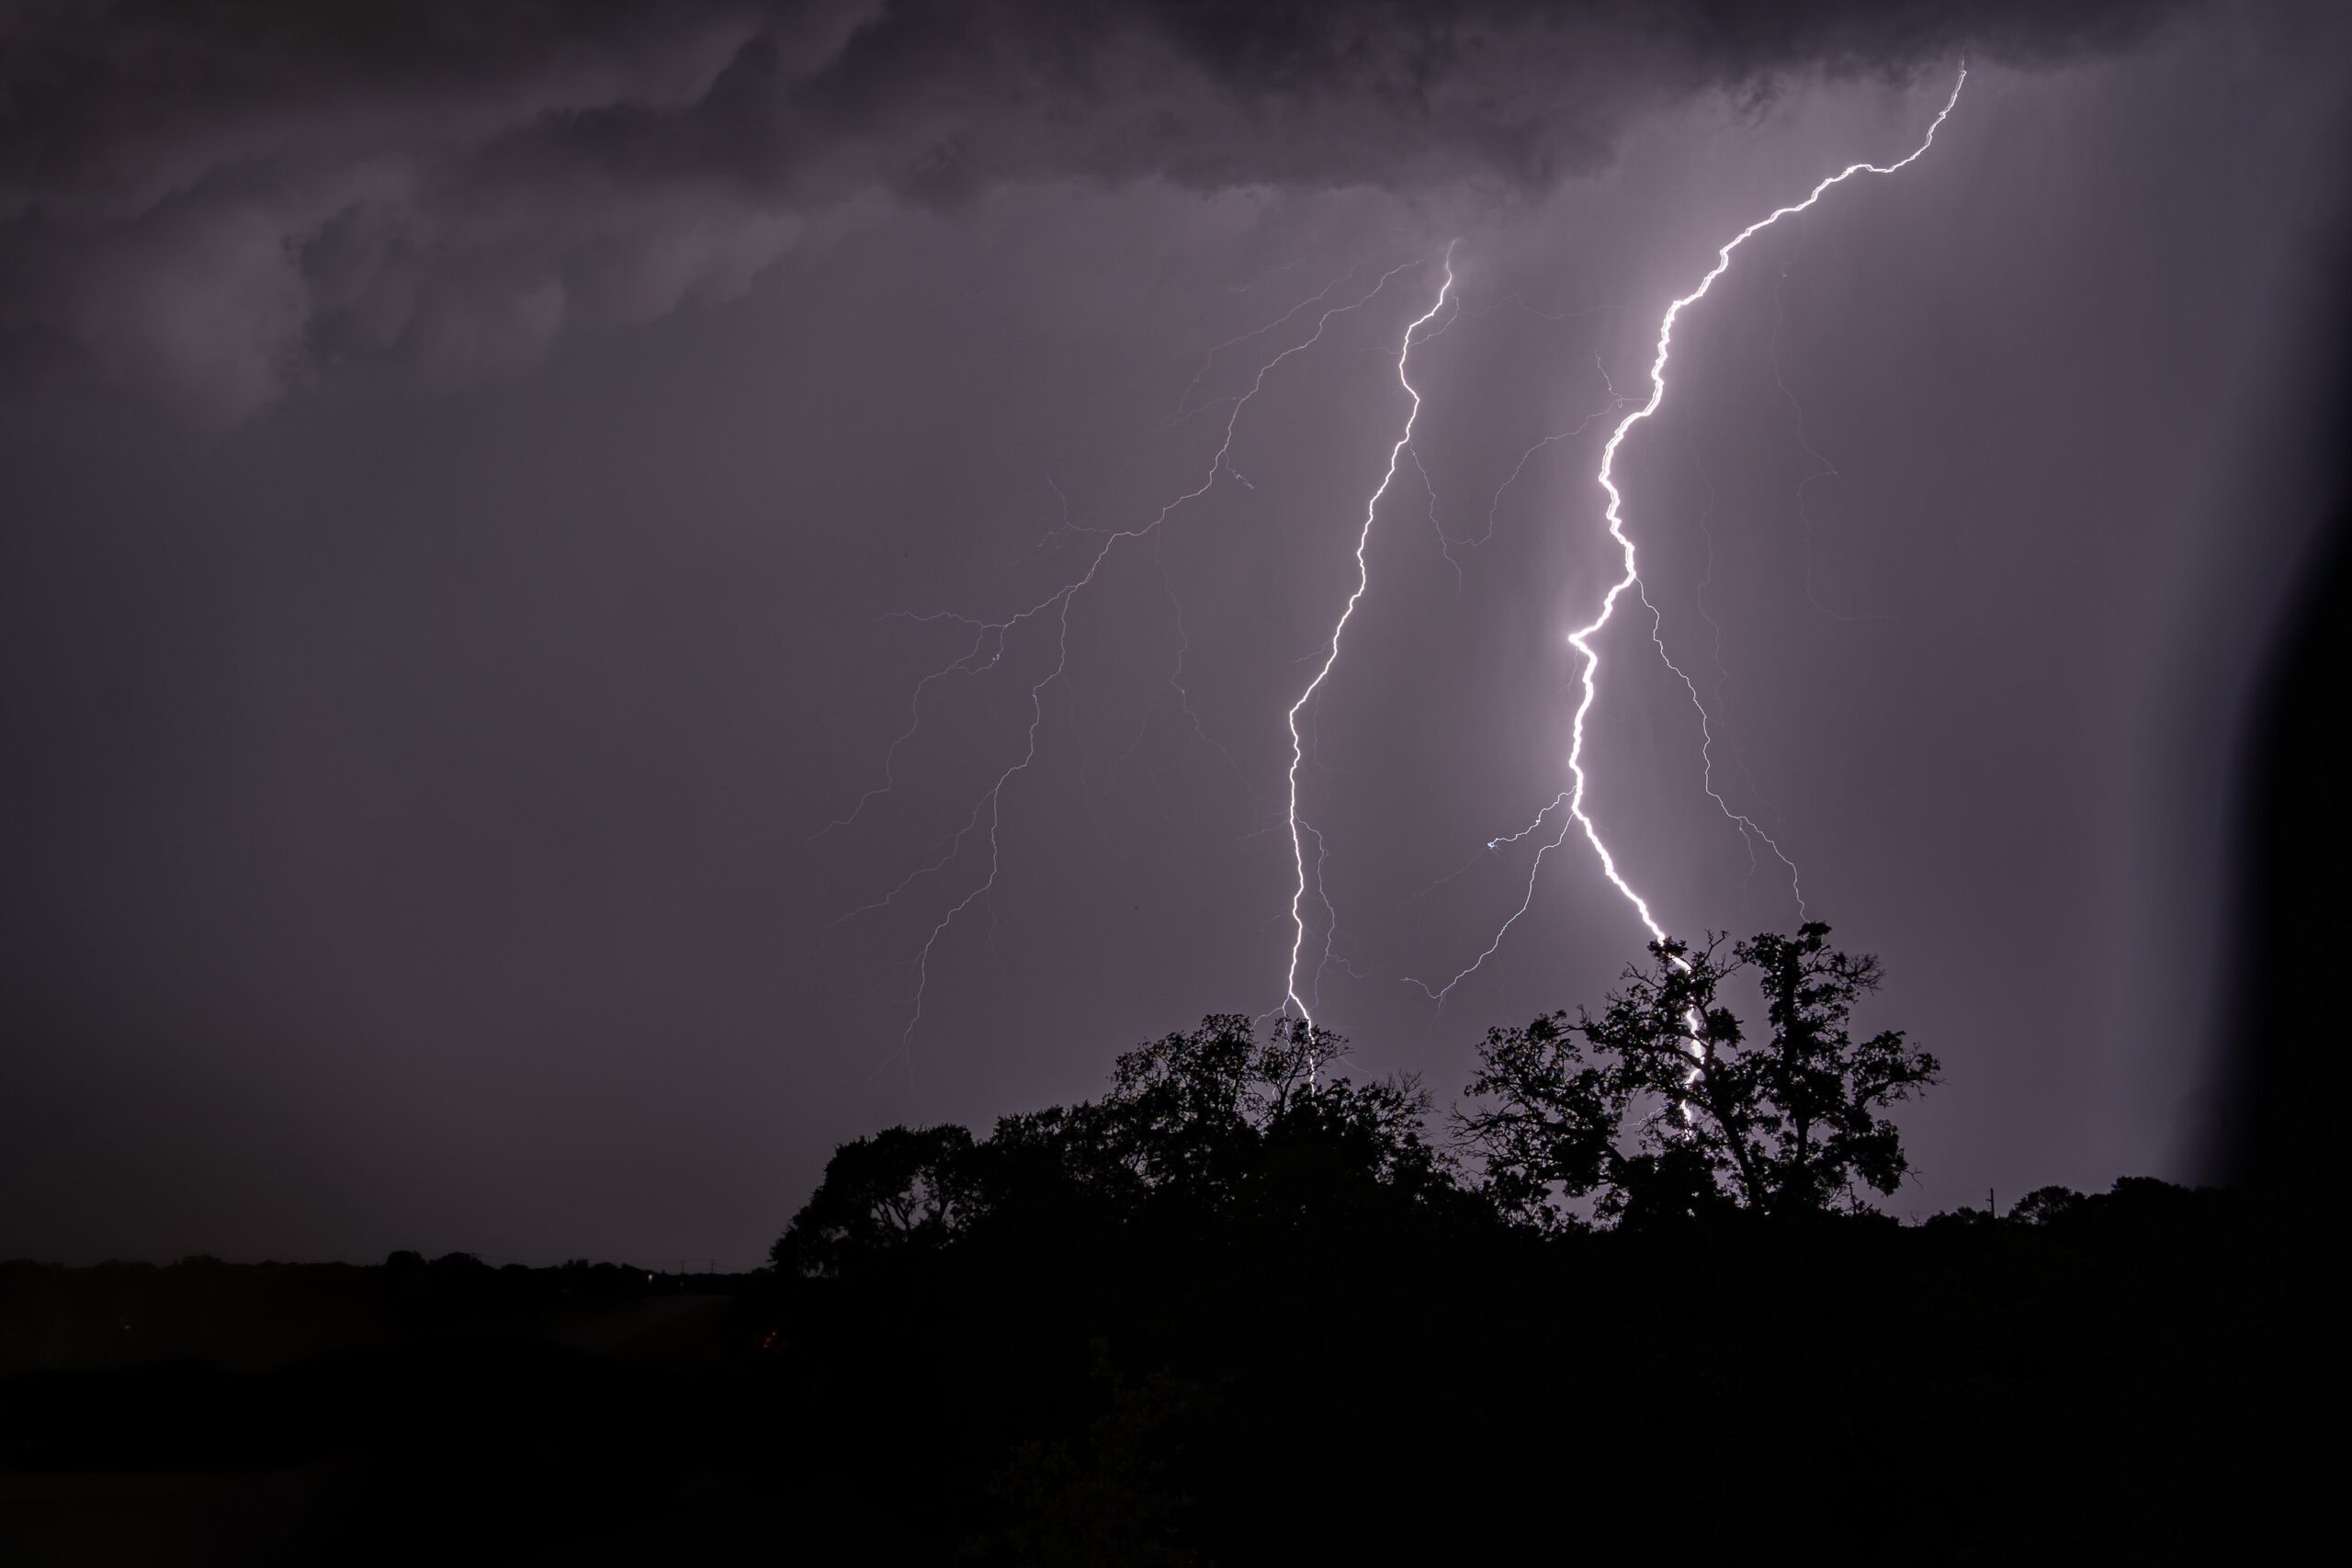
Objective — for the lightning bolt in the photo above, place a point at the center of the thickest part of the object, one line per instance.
(1564, 814)
(1707, 580)
(1208, 355)
(1291, 997)
(1612, 515)
(1446, 541)
(987, 647)
(1749, 831)
(1610, 406)
(1439, 993)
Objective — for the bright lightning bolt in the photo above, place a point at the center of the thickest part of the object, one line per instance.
(1613, 515)
(991, 637)
(1581, 638)
(1291, 997)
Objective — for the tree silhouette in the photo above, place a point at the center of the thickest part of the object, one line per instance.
(1662, 1106)
(1186, 1111)
(2047, 1206)
(900, 1187)
(1203, 1126)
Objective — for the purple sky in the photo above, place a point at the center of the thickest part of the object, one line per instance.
(458, 484)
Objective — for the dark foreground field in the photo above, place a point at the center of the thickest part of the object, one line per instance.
(2119, 1381)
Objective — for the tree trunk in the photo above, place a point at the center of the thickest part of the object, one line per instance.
(1750, 1179)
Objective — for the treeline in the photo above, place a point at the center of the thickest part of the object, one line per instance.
(1629, 1293)
(267, 1314)
(1662, 1111)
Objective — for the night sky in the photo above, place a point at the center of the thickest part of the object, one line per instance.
(480, 487)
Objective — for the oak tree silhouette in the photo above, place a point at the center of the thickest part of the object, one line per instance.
(1662, 1107)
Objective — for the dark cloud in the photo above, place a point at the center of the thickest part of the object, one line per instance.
(221, 201)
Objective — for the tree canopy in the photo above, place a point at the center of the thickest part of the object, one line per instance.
(1212, 1124)
(1665, 1106)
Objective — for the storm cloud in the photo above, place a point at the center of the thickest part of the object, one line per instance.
(223, 201)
